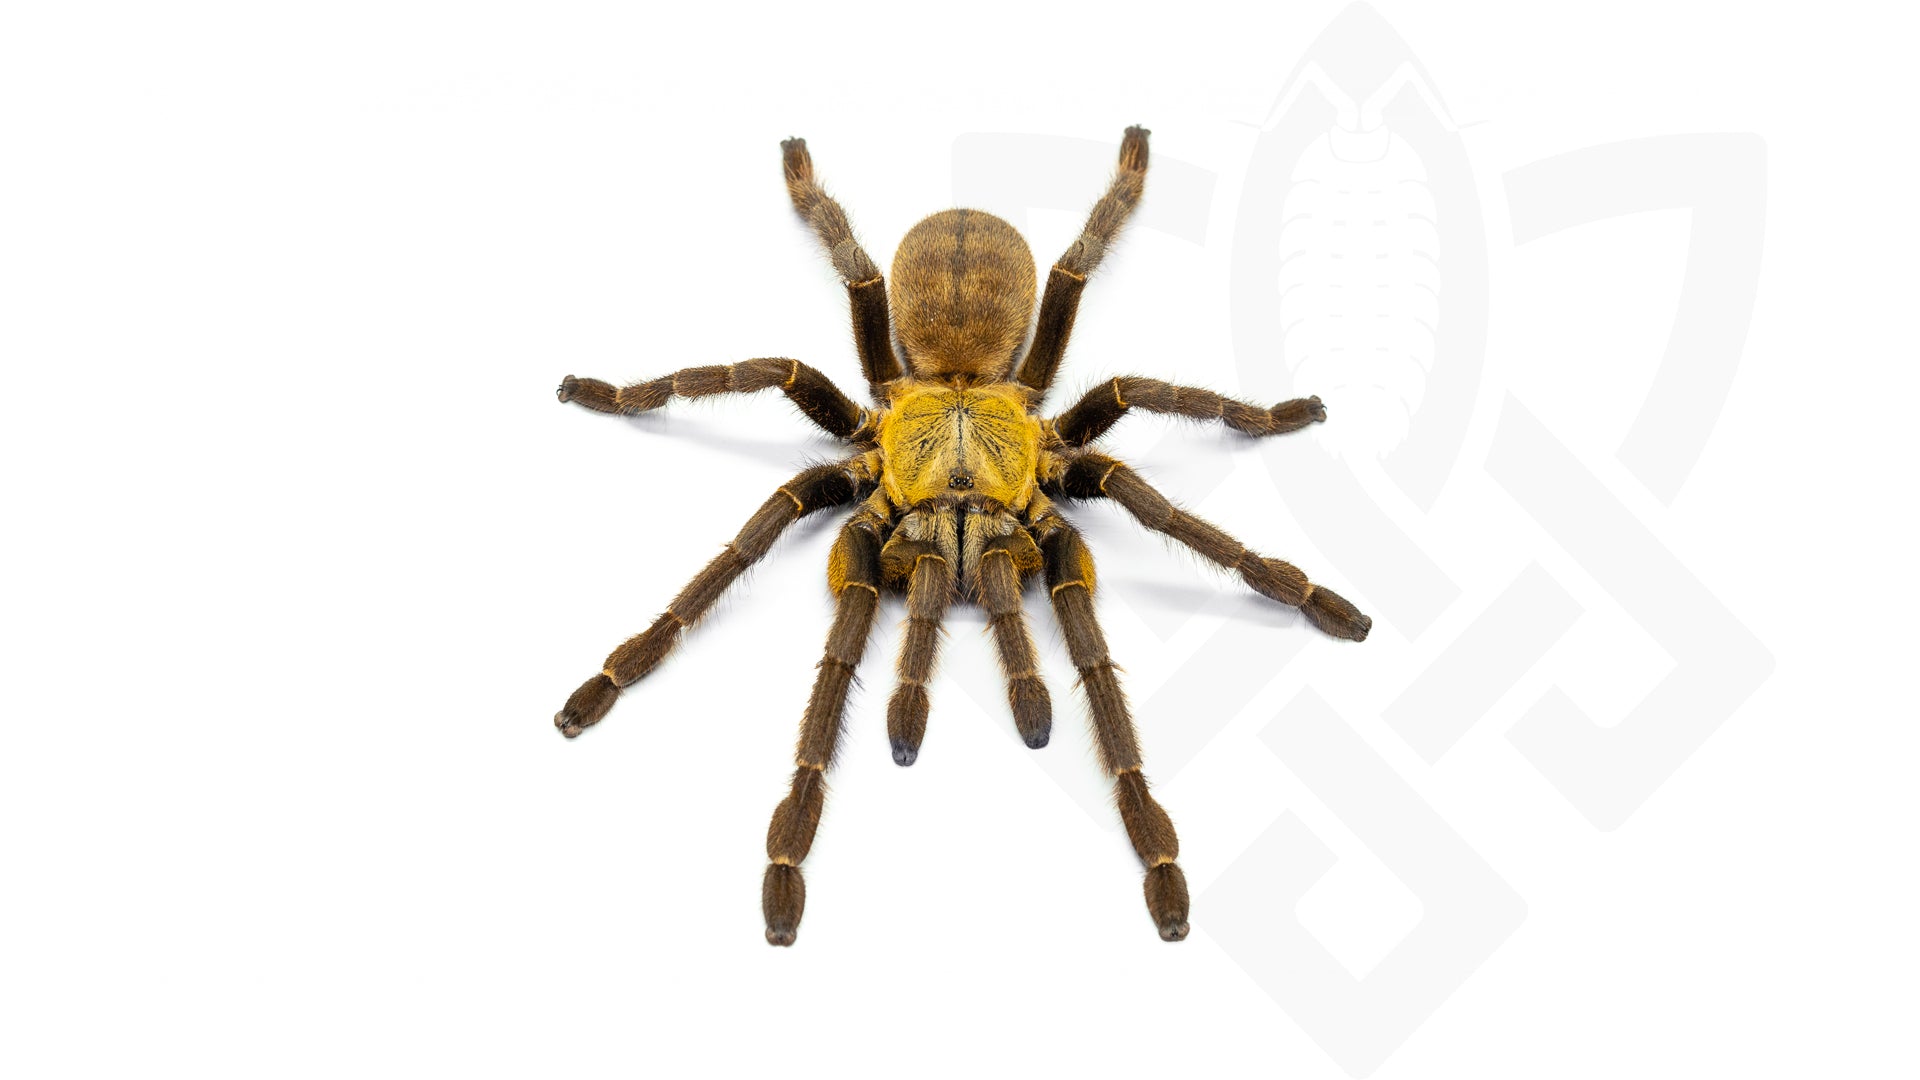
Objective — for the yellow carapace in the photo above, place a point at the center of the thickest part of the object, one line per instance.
(956, 479)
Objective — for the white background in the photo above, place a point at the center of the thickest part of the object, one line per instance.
(303, 556)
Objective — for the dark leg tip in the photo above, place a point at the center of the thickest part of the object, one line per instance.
(783, 896)
(567, 386)
(1167, 901)
(1335, 616)
(795, 159)
(1032, 710)
(1133, 149)
(587, 705)
(903, 753)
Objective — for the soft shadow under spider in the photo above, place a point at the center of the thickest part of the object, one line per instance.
(776, 452)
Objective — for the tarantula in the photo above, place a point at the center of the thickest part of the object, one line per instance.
(954, 478)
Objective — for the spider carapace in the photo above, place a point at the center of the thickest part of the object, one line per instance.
(956, 479)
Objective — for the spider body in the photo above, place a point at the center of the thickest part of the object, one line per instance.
(939, 439)
(962, 296)
(956, 482)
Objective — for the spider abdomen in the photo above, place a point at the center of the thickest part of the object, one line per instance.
(962, 294)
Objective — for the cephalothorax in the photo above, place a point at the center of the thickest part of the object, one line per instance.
(955, 480)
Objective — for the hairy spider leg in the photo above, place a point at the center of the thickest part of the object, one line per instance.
(1061, 301)
(853, 575)
(812, 489)
(866, 286)
(1104, 405)
(931, 585)
(1004, 564)
(811, 391)
(1069, 576)
(1091, 475)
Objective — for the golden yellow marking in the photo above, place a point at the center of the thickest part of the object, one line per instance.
(797, 504)
(1116, 395)
(1105, 475)
(1307, 593)
(782, 860)
(1162, 860)
(608, 672)
(795, 374)
(933, 431)
(1068, 585)
(673, 384)
(1058, 269)
(874, 280)
(860, 585)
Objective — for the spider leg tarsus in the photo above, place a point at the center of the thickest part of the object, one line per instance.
(567, 386)
(587, 705)
(1296, 413)
(1032, 711)
(1333, 614)
(1166, 888)
(783, 896)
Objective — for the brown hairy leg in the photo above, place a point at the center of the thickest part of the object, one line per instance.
(1061, 301)
(812, 392)
(1070, 579)
(1103, 406)
(812, 489)
(1092, 476)
(930, 589)
(866, 287)
(853, 573)
(1002, 565)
